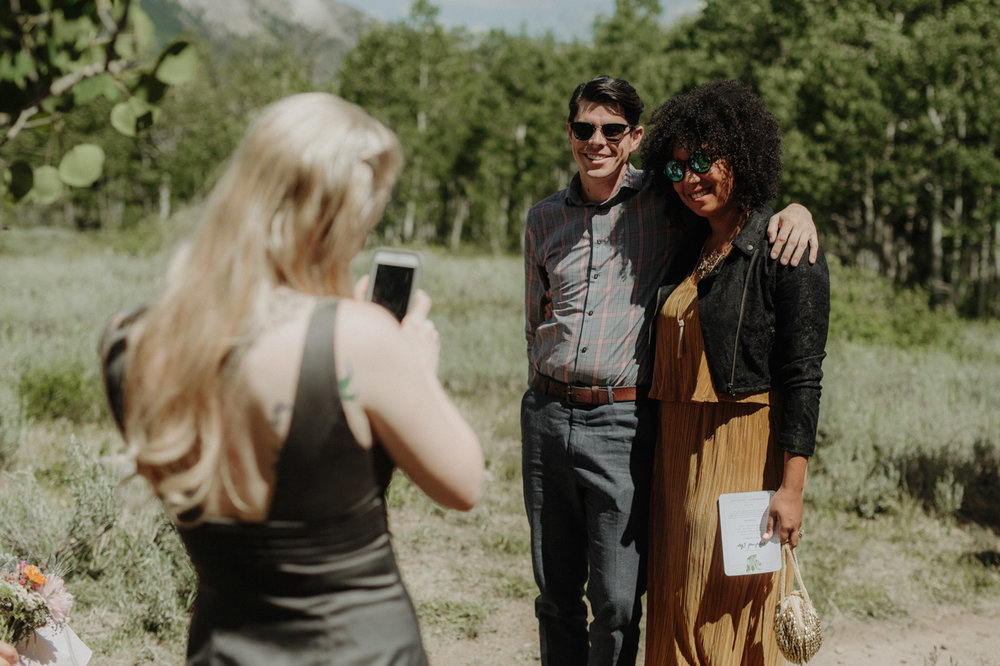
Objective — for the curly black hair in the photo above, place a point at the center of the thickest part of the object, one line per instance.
(729, 121)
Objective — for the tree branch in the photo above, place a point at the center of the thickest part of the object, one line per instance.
(22, 120)
(59, 87)
(64, 83)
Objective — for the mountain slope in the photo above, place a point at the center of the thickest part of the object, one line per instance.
(320, 30)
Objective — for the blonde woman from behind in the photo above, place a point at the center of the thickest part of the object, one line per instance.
(267, 407)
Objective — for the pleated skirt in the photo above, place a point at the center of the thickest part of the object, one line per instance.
(695, 613)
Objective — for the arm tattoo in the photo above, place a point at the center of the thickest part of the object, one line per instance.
(276, 413)
(343, 384)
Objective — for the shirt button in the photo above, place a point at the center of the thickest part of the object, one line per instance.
(597, 275)
(590, 313)
(583, 351)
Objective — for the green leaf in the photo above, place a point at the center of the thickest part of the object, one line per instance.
(61, 33)
(75, 31)
(123, 118)
(90, 89)
(22, 179)
(16, 67)
(48, 187)
(178, 64)
(143, 28)
(82, 165)
(134, 115)
(125, 47)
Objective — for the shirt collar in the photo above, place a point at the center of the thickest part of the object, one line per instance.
(753, 230)
(632, 182)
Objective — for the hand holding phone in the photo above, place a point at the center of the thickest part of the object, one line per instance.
(393, 279)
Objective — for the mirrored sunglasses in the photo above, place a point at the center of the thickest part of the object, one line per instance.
(613, 132)
(699, 161)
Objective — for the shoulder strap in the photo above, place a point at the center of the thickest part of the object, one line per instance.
(111, 350)
(318, 436)
(316, 393)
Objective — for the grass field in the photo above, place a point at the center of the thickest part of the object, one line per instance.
(903, 500)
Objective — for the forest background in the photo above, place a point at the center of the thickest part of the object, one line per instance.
(888, 109)
(890, 120)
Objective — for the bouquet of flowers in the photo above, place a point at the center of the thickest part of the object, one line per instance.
(29, 598)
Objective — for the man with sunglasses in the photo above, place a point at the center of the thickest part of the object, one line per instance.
(595, 254)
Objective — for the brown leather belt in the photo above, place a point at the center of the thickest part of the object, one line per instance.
(586, 395)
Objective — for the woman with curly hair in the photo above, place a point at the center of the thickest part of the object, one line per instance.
(739, 345)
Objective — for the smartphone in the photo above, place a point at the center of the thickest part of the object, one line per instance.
(393, 279)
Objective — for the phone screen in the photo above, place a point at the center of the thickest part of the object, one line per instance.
(392, 288)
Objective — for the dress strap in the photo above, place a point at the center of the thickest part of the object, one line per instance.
(318, 421)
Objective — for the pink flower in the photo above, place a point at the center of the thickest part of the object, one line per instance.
(57, 597)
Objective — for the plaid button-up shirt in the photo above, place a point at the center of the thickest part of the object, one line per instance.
(591, 274)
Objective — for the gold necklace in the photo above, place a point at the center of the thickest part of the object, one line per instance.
(709, 260)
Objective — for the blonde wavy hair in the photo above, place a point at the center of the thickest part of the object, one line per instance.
(301, 193)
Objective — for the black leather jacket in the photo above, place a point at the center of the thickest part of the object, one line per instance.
(764, 326)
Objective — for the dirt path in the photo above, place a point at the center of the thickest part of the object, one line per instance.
(943, 637)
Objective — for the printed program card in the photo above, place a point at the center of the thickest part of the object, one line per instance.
(742, 520)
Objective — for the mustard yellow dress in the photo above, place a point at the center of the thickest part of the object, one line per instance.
(708, 445)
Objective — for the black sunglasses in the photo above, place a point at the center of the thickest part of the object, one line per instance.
(612, 132)
(699, 161)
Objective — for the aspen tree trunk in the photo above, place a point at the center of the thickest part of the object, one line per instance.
(165, 197)
(936, 249)
(458, 223)
(936, 214)
(993, 283)
(498, 230)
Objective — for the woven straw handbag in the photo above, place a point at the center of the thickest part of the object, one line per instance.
(796, 624)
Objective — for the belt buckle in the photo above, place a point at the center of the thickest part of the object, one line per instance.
(589, 395)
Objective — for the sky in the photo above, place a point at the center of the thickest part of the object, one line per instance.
(567, 19)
